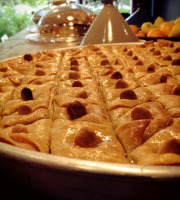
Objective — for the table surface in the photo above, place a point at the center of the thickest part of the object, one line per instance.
(17, 45)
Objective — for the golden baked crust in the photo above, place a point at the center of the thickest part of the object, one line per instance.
(161, 149)
(114, 103)
(86, 140)
(34, 136)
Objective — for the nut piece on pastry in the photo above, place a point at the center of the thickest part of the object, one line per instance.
(26, 94)
(19, 128)
(39, 72)
(163, 79)
(74, 68)
(105, 62)
(74, 75)
(139, 62)
(76, 110)
(74, 62)
(28, 57)
(82, 95)
(116, 75)
(176, 62)
(24, 110)
(77, 84)
(120, 84)
(168, 57)
(177, 91)
(156, 53)
(86, 138)
(128, 94)
(140, 113)
(151, 68)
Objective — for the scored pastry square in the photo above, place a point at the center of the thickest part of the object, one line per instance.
(161, 149)
(34, 136)
(27, 105)
(140, 123)
(86, 140)
(79, 110)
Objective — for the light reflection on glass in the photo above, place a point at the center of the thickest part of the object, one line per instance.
(70, 18)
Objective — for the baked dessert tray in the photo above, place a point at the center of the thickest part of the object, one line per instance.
(89, 120)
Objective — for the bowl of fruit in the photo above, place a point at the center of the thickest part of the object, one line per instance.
(159, 29)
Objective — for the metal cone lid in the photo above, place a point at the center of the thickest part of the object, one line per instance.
(109, 27)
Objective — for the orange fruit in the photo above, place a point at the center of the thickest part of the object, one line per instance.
(166, 27)
(177, 21)
(140, 34)
(134, 28)
(155, 32)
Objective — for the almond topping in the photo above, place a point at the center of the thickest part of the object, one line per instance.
(117, 62)
(142, 46)
(128, 94)
(19, 128)
(74, 62)
(156, 53)
(40, 73)
(139, 113)
(125, 49)
(152, 49)
(130, 53)
(38, 65)
(3, 69)
(74, 75)
(151, 68)
(139, 62)
(77, 84)
(76, 110)
(163, 79)
(74, 68)
(176, 62)
(82, 95)
(105, 62)
(28, 57)
(167, 57)
(135, 58)
(86, 138)
(26, 94)
(177, 91)
(116, 75)
(177, 50)
(24, 110)
(121, 84)
(171, 44)
(37, 82)
(95, 49)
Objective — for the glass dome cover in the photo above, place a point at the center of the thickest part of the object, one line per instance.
(66, 22)
(36, 17)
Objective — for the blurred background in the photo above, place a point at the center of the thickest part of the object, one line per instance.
(15, 14)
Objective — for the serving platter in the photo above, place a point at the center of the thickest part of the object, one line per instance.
(54, 177)
(58, 177)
